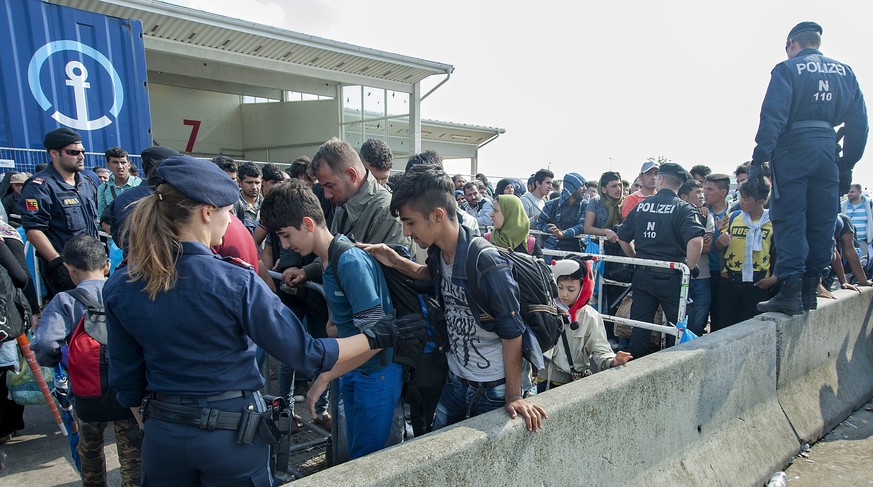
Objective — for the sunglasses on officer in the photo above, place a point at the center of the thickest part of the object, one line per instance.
(74, 152)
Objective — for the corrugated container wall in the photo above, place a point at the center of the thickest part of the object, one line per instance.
(62, 67)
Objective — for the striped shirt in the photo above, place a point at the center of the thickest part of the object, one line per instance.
(858, 215)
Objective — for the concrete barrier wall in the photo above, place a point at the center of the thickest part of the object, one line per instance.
(707, 412)
(825, 363)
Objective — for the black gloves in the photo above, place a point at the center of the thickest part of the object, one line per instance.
(845, 181)
(63, 279)
(695, 272)
(406, 335)
(755, 170)
(845, 176)
(56, 263)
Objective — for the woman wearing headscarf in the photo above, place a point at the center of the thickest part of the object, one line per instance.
(509, 186)
(512, 227)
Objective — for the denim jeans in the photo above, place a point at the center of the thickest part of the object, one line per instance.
(698, 308)
(460, 401)
(370, 401)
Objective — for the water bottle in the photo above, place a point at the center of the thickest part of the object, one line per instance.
(779, 479)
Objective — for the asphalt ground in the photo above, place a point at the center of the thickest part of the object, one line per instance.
(843, 457)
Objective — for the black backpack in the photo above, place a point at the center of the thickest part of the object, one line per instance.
(408, 295)
(14, 309)
(537, 292)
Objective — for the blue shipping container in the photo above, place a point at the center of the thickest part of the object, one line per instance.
(63, 67)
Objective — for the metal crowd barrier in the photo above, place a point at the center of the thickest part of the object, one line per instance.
(333, 440)
(26, 160)
(601, 241)
(683, 289)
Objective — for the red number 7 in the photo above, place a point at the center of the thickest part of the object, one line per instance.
(195, 128)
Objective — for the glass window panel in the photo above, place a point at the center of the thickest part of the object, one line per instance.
(352, 103)
(397, 103)
(374, 102)
(398, 137)
(375, 128)
(352, 135)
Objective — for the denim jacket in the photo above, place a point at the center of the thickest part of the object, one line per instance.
(495, 282)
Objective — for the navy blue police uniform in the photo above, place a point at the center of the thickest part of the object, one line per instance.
(191, 353)
(61, 211)
(660, 227)
(808, 96)
(122, 207)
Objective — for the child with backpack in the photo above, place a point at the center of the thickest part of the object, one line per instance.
(357, 296)
(67, 318)
(583, 335)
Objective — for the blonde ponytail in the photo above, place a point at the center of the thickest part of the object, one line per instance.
(153, 235)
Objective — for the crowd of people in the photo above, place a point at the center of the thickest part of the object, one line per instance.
(197, 307)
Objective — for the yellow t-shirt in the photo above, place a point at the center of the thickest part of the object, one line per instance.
(735, 253)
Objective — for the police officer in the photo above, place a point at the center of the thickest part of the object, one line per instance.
(809, 95)
(661, 227)
(58, 204)
(121, 207)
(181, 324)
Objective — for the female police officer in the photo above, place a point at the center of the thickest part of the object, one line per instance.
(179, 320)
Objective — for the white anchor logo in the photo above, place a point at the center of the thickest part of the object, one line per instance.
(77, 77)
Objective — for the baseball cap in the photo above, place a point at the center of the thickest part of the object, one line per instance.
(648, 165)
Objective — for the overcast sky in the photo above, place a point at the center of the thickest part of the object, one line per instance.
(589, 86)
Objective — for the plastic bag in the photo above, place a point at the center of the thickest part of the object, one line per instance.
(687, 335)
(23, 386)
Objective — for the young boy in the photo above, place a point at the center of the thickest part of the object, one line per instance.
(747, 244)
(357, 296)
(585, 333)
(699, 289)
(85, 259)
(484, 358)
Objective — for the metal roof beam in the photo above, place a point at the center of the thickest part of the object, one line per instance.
(244, 61)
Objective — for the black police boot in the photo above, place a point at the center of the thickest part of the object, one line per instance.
(787, 301)
(808, 290)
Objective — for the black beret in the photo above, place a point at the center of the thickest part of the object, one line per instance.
(59, 138)
(804, 27)
(200, 180)
(673, 169)
(158, 153)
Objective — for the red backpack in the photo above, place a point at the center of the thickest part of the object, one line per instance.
(89, 364)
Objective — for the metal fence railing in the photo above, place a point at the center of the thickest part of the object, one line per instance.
(682, 319)
(601, 281)
(25, 160)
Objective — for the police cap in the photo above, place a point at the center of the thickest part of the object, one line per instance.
(200, 180)
(158, 153)
(675, 170)
(59, 138)
(804, 27)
